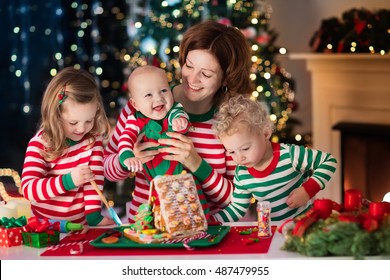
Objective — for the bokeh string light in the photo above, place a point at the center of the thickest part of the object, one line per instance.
(20, 56)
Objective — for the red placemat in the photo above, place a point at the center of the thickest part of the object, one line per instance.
(233, 243)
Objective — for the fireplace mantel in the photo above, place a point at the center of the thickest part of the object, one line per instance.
(345, 88)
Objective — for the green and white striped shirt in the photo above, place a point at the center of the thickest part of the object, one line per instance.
(292, 166)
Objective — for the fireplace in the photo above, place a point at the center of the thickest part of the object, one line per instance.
(351, 92)
(365, 158)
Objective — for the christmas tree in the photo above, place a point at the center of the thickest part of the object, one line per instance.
(155, 30)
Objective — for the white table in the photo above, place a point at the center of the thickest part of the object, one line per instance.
(30, 253)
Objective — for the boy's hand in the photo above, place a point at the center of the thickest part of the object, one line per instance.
(133, 164)
(297, 198)
(179, 124)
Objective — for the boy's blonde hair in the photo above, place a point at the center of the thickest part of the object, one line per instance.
(79, 86)
(242, 110)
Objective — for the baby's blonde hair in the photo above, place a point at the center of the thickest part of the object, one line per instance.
(137, 74)
(79, 86)
(242, 110)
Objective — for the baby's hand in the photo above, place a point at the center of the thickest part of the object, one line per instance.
(297, 198)
(133, 164)
(106, 222)
(179, 124)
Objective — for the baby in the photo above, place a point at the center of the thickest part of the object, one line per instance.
(156, 113)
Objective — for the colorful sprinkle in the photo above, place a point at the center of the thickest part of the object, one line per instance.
(264, 219)
(246, 232)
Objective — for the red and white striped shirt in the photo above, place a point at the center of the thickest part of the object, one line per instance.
(215, 174)
(42, 181)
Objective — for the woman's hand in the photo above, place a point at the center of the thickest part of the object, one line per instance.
(82, 174)
(140, 151)
(181, 149)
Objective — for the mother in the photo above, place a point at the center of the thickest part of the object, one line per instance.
(215, 63)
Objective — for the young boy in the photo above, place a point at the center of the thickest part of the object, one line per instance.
(287, 175)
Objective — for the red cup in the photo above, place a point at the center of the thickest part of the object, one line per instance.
(323, 207)
(378, 209)
(352, 200)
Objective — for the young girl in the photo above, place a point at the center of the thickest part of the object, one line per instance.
(287, 175)
(66, 153)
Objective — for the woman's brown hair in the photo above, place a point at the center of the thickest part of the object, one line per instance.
(230, 48)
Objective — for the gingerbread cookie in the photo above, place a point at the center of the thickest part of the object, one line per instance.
(110, 239)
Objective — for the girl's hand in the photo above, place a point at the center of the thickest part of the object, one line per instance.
(106, 222)
(182, 150)
(82, 174)
(297, 198)
(140, 151)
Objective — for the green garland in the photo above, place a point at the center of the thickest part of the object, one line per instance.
(359, 30)
(332, 237)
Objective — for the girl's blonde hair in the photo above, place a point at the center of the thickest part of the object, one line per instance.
(79, 86)
(242, 110)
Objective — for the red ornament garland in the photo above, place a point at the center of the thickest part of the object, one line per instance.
(350, 211)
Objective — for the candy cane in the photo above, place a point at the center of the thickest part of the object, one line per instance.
(186, 240)
(58, 246)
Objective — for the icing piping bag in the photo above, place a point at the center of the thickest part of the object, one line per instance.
(111, 211)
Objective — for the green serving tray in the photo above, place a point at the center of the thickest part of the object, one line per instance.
(217, 233)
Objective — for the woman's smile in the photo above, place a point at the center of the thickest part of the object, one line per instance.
(193, 87)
